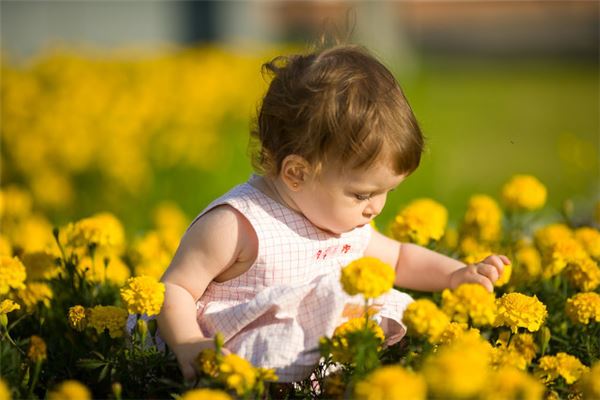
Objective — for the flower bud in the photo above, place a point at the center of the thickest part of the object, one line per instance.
(544, 336)
(37, 349)
(117, 389)
(142, 327)
(219, 340)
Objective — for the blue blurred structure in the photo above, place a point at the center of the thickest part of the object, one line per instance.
(530, 28)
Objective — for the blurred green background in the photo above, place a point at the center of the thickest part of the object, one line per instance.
(498, 89)
(484, 121)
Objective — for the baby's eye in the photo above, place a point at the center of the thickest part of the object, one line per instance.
(362, 197)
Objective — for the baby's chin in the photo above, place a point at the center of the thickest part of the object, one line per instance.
(335, 230)
(332, 231)
(340, 231)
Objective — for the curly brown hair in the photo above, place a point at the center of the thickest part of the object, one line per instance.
(338, 104)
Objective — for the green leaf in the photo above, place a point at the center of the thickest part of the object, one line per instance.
(89, 363)
(103, 372)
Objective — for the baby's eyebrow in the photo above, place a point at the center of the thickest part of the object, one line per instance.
(374, 189)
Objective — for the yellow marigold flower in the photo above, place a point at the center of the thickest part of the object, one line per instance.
(524, 192)
(524, 343)
(552, 234)
(341, 351)
(170, 240)
(590, 240)
(51, 189)
(562, 364)
(505, 277)
(472, 251)
(40, 265)
(116, 271)
(590, 382)
(206, 362)
(12, 274)
(511, 383)
(4, 390)
(470, 302)
(445, 370)
(77, 318)
(7, 306)
(37, 349)
(206, 394)
(584, 274)
(34, 293)
(15, 203)
(507, 357)
(450, 238)
(108, 317)
(391, 382)
(103, 230)
(34, 234)
(420, 222)
(519, 353)
(168, 216)
(143, 295)
(368, 276)
(70, 390)
(150, 255)
(560, 254)
(424, 318)
(5, 246)
(482, 219)
(456, 330)
(518, 310)
(528, 264)
(237, 373)
(583, 308)
(266, 374)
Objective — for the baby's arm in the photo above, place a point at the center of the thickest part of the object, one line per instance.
(419, 268)
(209, 247)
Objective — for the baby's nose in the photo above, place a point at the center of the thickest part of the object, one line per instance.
(370, 213)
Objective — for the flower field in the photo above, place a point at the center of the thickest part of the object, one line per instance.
(95, 137)
(67, 297)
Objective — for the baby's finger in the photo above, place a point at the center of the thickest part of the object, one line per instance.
(484, 281)
(489, 271)
(505, 259)
(496, 261)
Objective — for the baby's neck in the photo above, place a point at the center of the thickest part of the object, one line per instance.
(276, 190)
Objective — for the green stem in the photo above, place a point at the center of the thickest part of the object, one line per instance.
(16, 321)
(36, 374)
(60, 247)
(509, 339)
(366, 314)
(11, 341)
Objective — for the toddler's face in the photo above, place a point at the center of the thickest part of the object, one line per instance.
(338, 201)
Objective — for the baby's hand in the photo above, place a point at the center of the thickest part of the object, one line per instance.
(485, 272)
(186, 356)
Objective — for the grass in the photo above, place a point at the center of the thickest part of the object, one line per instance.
(484, 120)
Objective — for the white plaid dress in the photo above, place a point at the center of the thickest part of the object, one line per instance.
(274, 313)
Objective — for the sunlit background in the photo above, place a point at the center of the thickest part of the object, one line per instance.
(120, 106)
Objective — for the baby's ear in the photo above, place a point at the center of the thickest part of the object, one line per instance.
(295, 170)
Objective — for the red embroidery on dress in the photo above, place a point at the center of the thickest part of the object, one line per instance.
(331, 251)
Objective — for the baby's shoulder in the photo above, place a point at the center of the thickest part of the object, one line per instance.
(220, 224)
